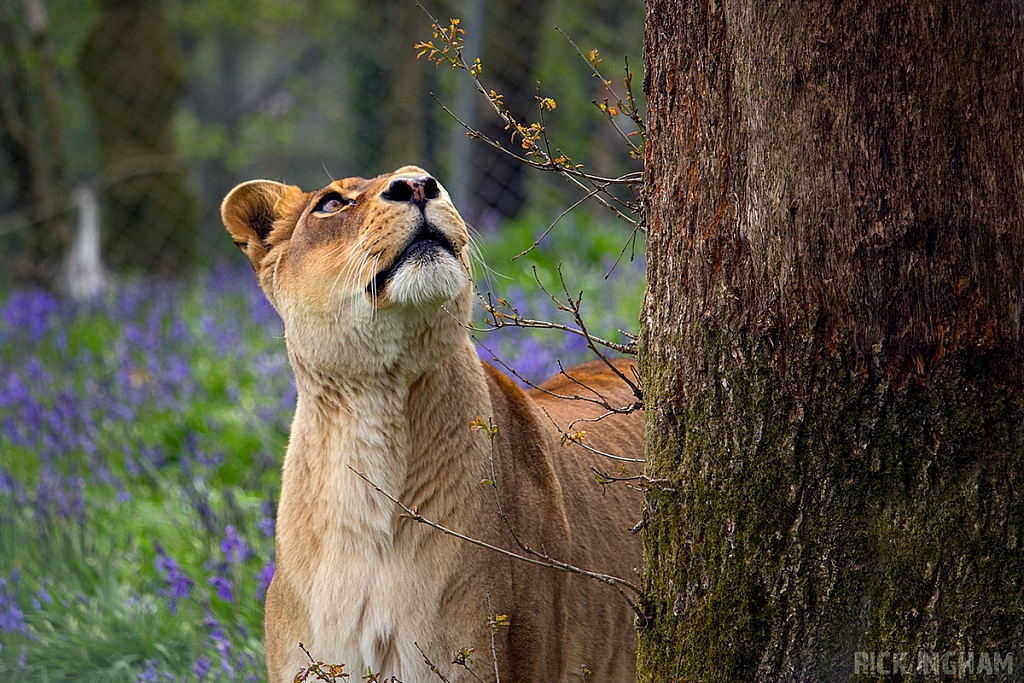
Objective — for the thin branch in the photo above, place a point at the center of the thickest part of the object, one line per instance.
(604, 478)
(631, 240)
(426, 659)
(452, 41)
(624, 410)
(578, 440)
(494, 629)
(490, 431)
(573, 175)
(601, 401)
(630, 107)
(544, 561)
(501, 320)
(574, 308)
(555, 222)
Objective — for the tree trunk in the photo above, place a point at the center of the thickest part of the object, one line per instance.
(511, 48)
(132, 74)
(32, 140)
(831, 342)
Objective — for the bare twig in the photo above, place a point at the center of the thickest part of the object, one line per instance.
(539, 559)
(574, 308)
(500, 319)
(555, 222)
(450, 52)
(630, 241)
(577, 438)
(491, 430)
(573, 175)
(330, 673)
(645, 482)
(575, 397)
(426, 659)
(629, 107)
(494, 630)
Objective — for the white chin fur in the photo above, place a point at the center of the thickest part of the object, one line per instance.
(433, 281)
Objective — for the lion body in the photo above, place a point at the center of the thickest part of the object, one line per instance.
(388, 388)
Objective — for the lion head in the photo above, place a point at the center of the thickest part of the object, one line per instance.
(368, 275)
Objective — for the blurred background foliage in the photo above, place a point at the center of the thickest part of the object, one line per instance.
(159, 107)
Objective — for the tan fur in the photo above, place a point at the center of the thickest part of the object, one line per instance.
(388, 385)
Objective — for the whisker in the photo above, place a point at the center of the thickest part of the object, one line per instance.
(373, 289)
(476, 258)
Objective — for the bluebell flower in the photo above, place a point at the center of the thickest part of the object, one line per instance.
(150, 675)
(202, 667)
(221, 643)
(179, 585)
(263, 579)
(266, 522)
(30, 311)
(232, 546)
(224, 587)
(11, 616)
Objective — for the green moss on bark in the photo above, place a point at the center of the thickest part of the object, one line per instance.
(816, 511)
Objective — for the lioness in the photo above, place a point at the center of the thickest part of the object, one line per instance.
(372, 280)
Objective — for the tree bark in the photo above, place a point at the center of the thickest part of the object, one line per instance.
(33, 142)
(830, 343)
(510, 52)
(133, 74)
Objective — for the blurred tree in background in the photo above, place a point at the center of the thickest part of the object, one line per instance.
(159, 108)
(34, 171)
(512, 42)
(133, 74)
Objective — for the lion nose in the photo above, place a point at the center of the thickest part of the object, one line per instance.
(415, 190)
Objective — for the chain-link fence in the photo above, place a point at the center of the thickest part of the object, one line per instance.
(124, 122)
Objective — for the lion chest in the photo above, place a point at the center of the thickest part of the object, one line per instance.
(370, 610)
(372, 594)
(376, 588)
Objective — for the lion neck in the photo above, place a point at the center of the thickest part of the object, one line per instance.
(409, 435)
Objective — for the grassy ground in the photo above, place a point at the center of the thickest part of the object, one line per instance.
(140, 446)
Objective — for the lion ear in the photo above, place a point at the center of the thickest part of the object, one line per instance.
(249, 212)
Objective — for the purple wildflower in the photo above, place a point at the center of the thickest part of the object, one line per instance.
(150, 675)
(202, 667)
(11, 616)
(179, 585)
(31, 311)
(41, 597)
(221, 643)
(6, 482)
(232, 546)
(210, 462)
(224, 587)
(129, 462)
(263, 579)
(266, 521)
(155, 455)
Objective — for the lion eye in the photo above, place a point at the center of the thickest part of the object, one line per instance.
(332, 202)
